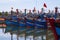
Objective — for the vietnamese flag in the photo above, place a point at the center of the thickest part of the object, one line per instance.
(45, 5)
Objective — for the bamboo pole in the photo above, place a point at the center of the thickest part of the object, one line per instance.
(11, 36)
(3, 30)
(47, 34)
(25, 35)
(17, 37)
(34, 35)
(30, 38)
(42, 37)
(17, 34)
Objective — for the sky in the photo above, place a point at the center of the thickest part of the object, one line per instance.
(5, 5)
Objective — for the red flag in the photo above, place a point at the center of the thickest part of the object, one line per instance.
(45, 5)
